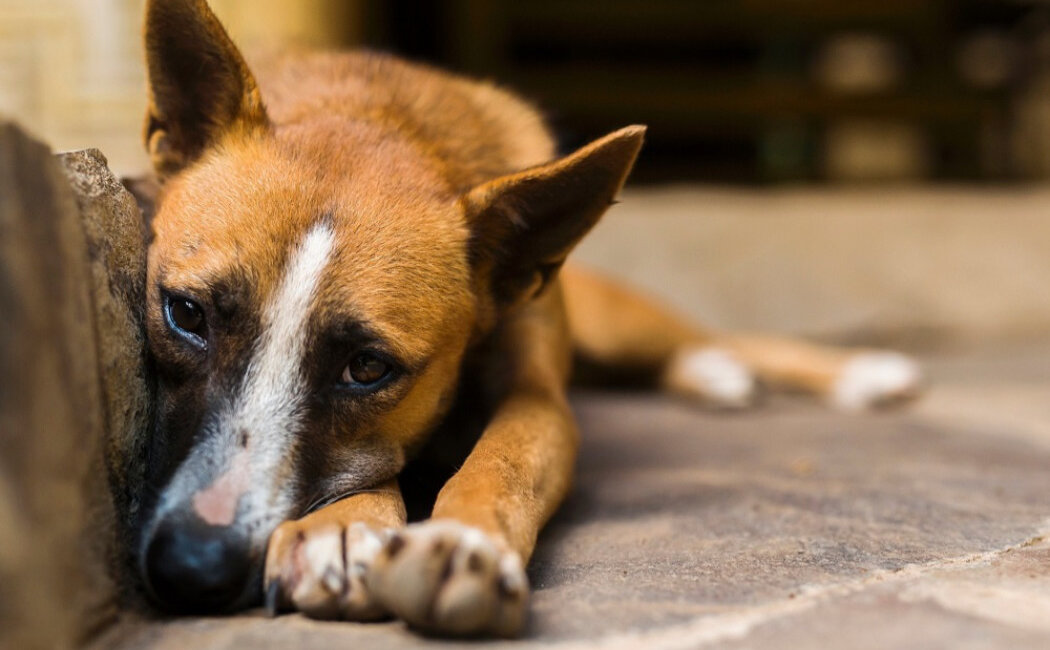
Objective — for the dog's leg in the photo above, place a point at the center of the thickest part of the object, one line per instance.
(318, 564)
(462, 571)
(628, 336)
(621, 330)
(847, 378)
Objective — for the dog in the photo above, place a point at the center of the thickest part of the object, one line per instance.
(355, 274)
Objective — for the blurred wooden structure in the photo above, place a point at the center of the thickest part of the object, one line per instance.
(737, 90)
(732, 89)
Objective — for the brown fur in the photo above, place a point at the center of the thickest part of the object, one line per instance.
(452, 220)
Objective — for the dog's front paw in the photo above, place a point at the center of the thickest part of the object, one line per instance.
(320, 571)
(446, 578)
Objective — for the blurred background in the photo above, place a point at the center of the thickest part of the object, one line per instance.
(855, 170)
(748, 91)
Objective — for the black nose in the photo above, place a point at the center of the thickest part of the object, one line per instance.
(192, 567)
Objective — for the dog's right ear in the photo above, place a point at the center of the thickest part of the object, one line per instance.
(524, 225)
(199, 85)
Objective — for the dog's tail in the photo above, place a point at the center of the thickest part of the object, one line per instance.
(622, 336)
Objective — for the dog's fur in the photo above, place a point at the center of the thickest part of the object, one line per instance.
(344, 204)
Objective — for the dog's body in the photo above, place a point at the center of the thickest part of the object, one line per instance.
(356, 262)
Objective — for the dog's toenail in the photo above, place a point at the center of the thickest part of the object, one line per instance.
(394, 545)
(446, 571)
(358, 569)
(332, 581)
(510, 587)
(272, 593)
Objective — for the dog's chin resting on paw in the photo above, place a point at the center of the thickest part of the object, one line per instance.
(356, 271)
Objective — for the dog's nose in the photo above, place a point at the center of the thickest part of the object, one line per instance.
(193, 567)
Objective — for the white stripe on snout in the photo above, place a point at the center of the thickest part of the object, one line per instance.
(269, 408)
(273, 384)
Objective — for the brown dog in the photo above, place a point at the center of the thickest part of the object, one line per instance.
(355, 262)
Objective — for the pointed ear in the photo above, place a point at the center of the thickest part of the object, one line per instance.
(199, 85)
(524, 225)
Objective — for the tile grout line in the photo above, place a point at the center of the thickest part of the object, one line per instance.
(721, 628)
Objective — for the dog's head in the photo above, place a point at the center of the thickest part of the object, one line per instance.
(312, 290)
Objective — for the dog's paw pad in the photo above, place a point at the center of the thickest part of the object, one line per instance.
(447, 578)
(321, 571)
(713, 375)
(873, 379)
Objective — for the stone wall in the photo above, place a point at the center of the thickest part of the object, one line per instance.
(74, 396)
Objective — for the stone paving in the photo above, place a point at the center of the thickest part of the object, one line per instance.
(788, 527)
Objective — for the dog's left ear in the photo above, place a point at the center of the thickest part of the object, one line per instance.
(200, 88)
(524, 225)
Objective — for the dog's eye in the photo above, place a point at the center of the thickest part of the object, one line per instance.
(365, 370)
(187, 317)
